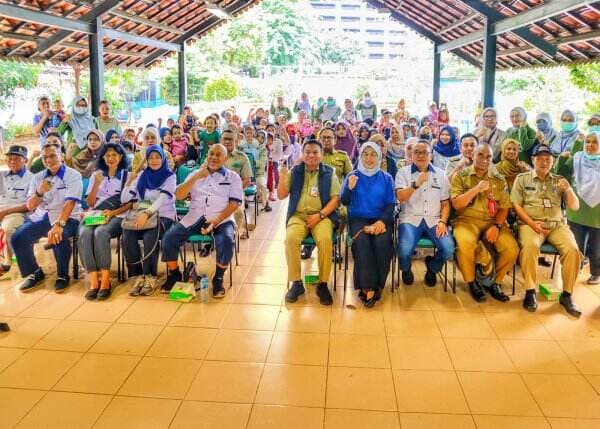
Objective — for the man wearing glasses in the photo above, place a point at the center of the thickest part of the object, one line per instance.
(54, 199)
(424, 194)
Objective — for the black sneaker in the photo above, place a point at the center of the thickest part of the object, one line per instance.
(218, 291)
(32, 281)
(543, 262)
(4, 327)
(477, 292)
(172, 278)
(430, 277)
(324, 295)
(530, 302)
(496, 291)
(408, 277)
(306, 252)
(567, 302)
(268, 208)
(295, 291)
(61, 284)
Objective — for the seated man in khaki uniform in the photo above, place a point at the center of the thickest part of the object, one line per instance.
(537, 196)
(314, 196)
(481, 201)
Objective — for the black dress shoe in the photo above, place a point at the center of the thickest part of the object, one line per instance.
(530, 302)
(567, 302)
(408, 277)
(430, 277)
(91, 294)
(4, 327)
(496, 291)
(362, 296)
(369, 303)
(324, 295)
(218, 290)
(306, 252)
(104, 294)
(295, 291)
(61, 284)
(32, 281)
(477, 292)
(542, 261)
(172, 278)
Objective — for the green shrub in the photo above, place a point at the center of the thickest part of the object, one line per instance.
(221, 88)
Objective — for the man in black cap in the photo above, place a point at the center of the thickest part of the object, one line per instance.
(14, 184)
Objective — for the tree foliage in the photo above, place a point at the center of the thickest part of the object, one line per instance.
(587, 78)
(121, 87)
(170, 87)
(221, 88)
(14, 75)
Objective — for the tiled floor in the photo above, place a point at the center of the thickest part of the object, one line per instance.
(420, 359)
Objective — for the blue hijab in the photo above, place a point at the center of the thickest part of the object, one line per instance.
(153, 179)
(450, 149)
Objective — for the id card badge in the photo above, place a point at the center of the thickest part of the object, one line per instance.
(314, 191)
(547, 203)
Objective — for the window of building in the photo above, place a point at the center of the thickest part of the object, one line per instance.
(376, 56)
(396, 32)
(392, 56)
(375, 32)
(396, 44)
(351, 30)
(327, 18)
(350, 19)
(323, 5)
(375, 44)
(350, 6)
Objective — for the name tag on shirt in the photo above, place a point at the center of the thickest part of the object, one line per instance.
(547, 203)
(314, 191)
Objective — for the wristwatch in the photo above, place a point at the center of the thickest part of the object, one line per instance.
(322, 215)
(61, 223)
(498, 225)
(414, 185)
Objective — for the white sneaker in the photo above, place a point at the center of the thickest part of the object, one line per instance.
(138, 284)
(149, 286)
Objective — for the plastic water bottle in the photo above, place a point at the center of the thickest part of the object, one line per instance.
(14, 269)
(204, 288)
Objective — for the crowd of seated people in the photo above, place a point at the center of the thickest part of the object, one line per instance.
(488, 199)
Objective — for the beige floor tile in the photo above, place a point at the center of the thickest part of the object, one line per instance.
(429, 391)
(181, 342)
(299, 348)
(361, 389)
(26, 332)
(564, 395)
(198, 315)
(510, 422)
(98, 311)
(96, 373)
(274, 417)
(469, 354)
(296, 385)
(464, 325)
(353, 419)
(497, 394)
(559, 423)
(517, 326)
(585, 354)
(123, 338)
(267, 275)
(304, 319)
(13, 303)
(226, 382)
(204, 415)
(594, 381)
(253, 317)
(38, 369)
(73, 336)
(361, 322)
(543, 357)
(350, 350)
(260, 294)
(436, 421)
(53, 306)
(562, 327)
(413, 298)
(15, 403)
(8, 356)
(65, 410)
(416, 324)
(138, 413)
(240, 346)
(418, 353)
(161, 378)
(448, 301)
(149, 312)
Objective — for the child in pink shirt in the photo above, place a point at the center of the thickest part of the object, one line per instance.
(178, 146)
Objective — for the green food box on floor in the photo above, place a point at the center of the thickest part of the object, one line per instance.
(548, 292)
(311, 278)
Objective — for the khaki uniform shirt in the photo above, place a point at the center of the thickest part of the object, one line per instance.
(541, 199)
(310, 201)
(340, 161)
(478, 208)
(238, 161)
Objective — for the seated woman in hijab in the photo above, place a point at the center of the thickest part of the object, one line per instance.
(112, 136)
(103, 194)
(388, 164)
(368, 192)
(582, 169)
(510, 165)
(523, 133)
(546, 134)
(85, 161)
(76, 126)
(150, 136)
(153, 187)
(569, 134)
(467, 149)
(344, 139)
(445, 148)
(488, 131)
(396, 146)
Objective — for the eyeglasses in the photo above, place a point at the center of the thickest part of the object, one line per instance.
(326, 138)
(421, 152)
(53, 156)
(489, 116)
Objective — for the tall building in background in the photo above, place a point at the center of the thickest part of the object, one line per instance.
(382, 39)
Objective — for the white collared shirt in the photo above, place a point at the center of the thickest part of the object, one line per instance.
(212, 194)
(14, 188)
(425, 202)
(66, 186)
(109, 187)
(163, 197)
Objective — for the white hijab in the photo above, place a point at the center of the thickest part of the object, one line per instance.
(586, 170)
(362, 167)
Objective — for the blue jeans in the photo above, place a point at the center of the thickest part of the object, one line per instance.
(175, 237)
(29, 233)
(409, 235)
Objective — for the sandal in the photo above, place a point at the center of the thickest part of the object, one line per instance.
(371, 298)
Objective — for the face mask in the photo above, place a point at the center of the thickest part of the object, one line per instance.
(567, 127)
(320, 103)
(543, 127)
(80, 110)
(595, 128)
(367, 99)
(594, 157)
(331, 103)
(425, 136)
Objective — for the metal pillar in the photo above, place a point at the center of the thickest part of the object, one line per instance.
(96, 67)
(488, 77)
(182, 78)
(437, 66)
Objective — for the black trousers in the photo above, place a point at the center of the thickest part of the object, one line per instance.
(588, 241)
(372, 255)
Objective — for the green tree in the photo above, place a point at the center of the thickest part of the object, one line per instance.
(243, 45)
(15, 75)
(221, 88)
(170, 87)
(337, 48)
(587, 78)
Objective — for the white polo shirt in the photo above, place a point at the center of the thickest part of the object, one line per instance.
(66, 186)
(109, 187)
(14, 188)
(212, 194)
(163, 197)
(425, 202)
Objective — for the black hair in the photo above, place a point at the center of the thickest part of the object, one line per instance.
(312, 140)
(117, 147)
(473, 136)
(175, 126)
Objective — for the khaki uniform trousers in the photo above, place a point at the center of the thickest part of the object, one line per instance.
(562, 238)
(467, 236)
(297, 231)
(10, 224)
